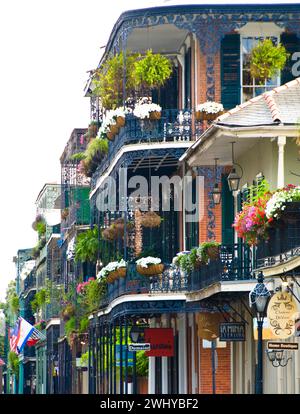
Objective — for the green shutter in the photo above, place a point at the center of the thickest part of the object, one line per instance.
(292, 44)
(230, 71)
(227, 213)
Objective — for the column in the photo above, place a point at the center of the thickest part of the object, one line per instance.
(164, 361)
(182, 354)
(281, 141)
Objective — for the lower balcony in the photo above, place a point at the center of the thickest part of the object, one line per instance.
(233, 265)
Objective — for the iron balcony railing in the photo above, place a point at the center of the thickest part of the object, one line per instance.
(283, 238)
(29, 282)
(234, 264)
(174, 126)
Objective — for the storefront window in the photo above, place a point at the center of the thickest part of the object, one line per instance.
(250, 86)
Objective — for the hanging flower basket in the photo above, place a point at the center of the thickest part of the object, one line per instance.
(116, 274)
(150, 219)
(68, 312)
(120, 121)
(64, 213)
(110, 135)
(114, 129)
(208, 111)
(154, 115)
(213, 252)
(92, 130)
(151, 270)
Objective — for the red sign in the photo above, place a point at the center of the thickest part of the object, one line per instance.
(161, 342)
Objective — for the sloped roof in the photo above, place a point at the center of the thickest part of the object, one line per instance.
(281, 105)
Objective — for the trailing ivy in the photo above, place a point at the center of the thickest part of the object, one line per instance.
(87, 245)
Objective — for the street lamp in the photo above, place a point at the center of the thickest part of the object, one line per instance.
(277, 358)
(216, 192)
(259, 298)
(234, 178)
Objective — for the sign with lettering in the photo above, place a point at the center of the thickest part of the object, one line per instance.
(161, 342)
(139, 347)
(292, 346)
(232, 331)
(281, 315)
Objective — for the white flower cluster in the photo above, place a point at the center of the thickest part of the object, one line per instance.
(146, 261)
(277, 202)
(143, 110)
(178, 255)
(111, 267)
(110, 118)
(210, 107)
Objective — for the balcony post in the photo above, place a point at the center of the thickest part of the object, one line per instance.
(281, 141)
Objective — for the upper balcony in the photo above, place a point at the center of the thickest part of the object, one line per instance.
(175, 129)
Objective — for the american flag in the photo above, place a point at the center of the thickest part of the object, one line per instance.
(23, 333)
(14, 336)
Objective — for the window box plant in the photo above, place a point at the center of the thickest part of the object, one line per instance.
(113, 271)
(209, 111)
(149, 266)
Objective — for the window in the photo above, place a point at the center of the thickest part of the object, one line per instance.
(250, 88)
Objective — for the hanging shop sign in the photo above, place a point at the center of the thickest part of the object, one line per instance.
(208, 325)
(139, 347)
(232, 331)
(291, 346)
(281, 315)
(161, 342)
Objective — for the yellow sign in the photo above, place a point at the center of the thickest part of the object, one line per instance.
(208, 325)
(281, 315)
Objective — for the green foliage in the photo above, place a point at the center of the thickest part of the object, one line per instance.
(95, 291)
(257, 191)
(96, 149)
(70, 326)
(204, 247)
(153, 70)
(267, 59)
(14, 303)
(185, 263)
(84, 360)
(13, 363)
(87, 245)
(78, 156)
(41, 228)
(41, 298)
(83, 324)
(109, 79)
(2, 341)
(142, 364)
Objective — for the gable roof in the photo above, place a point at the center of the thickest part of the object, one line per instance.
(279, 106)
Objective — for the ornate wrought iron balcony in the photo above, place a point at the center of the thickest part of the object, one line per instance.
(175, 126)
(283, 240)
(234, 264)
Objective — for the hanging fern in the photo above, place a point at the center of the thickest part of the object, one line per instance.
(267, 59)
(87, 245)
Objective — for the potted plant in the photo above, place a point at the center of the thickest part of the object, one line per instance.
(284, 204)
(209, 111)
(150, 219)
(209, 250)
(113, 271)
(87, 245)
(147, 111)
(116, 229)
(68, 312)
(149, 266)
(266, 59)
(152, 71)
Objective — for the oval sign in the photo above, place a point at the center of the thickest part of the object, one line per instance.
(281, 310)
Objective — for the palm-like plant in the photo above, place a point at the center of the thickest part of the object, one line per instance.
(87, 245)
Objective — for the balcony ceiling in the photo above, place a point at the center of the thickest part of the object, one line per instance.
(165, 38)
(221, 148)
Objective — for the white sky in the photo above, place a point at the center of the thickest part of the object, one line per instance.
(46, 47)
